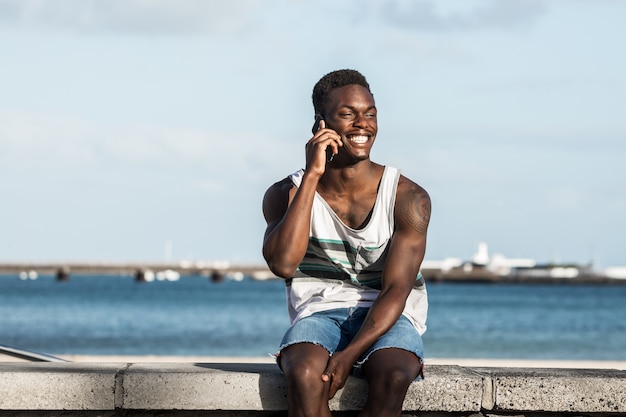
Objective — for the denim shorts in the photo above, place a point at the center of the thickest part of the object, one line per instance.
(334, 329)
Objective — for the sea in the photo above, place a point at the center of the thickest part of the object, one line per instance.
(194, 316)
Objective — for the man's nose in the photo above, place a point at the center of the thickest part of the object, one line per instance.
(360, 120)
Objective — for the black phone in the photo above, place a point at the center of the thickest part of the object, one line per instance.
(329, 154)
(316, 125)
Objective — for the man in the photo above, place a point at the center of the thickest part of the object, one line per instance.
(349, 236)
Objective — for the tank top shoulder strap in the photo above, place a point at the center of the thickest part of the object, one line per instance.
(387, 190)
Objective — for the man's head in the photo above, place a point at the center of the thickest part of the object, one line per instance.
(344, 101)
(331, 81)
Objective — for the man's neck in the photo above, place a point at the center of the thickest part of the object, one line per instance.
(351, 179)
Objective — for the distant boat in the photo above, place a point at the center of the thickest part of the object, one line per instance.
(168, 275)
(28, 275)
(616, 272)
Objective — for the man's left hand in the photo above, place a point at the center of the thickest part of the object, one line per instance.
(337, 371)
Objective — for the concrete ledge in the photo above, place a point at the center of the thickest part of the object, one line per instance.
(133, 389)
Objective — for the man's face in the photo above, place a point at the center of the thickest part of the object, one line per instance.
(351, 112)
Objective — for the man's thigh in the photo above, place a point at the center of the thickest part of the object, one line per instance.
(321, 328)
(388, 361)
(401, 341)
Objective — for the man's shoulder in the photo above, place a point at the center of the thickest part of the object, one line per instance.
(408, 187)
(276, 199)
(281, 186)
(413, 206)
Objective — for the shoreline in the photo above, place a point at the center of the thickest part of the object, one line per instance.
(465, 362)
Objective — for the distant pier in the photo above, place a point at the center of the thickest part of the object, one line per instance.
(140, 270)
(220, 270)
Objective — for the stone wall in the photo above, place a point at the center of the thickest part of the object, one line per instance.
(236, 389)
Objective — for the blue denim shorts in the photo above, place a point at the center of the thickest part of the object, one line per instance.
(334, 329)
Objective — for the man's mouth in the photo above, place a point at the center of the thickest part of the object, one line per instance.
(358, 139)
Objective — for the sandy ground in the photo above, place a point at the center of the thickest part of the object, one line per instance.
(505, 363)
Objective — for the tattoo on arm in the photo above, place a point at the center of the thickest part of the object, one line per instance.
(415, 210)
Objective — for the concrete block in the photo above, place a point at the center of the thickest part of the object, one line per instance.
(58, 386)
(558, 390)
(262, 387)
(446, 389)
(231, 389)
(163, 386)
(351, 397)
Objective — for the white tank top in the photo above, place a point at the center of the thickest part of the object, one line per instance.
(343, 266)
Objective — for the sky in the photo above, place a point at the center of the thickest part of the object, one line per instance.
(150, 130)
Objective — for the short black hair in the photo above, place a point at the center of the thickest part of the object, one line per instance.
(332, 80)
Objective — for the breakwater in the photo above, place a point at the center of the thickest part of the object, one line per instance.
(220, 270)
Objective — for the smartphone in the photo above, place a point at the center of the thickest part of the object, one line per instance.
(316, 126)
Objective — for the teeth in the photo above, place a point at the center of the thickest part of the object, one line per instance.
(358, 139)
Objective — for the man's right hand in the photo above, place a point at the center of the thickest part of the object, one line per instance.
(316, 148)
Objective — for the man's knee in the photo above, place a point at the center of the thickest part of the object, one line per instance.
(302, 371)
(391, 381)
(398, 378)
(392, 370)
(304, 363)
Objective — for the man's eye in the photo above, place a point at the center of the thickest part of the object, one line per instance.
(346, 115)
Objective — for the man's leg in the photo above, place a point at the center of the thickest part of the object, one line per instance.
(303, 365)
(389, 372)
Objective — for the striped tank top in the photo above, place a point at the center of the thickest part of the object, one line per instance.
(343, 266)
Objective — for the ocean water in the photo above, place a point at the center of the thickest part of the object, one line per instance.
(103, 315)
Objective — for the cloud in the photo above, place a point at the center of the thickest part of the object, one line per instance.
(45, 144)
(446, 16)
(130, 16)
(39, 141)
(236, 16)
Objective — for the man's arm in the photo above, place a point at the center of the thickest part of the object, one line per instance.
(287, 209)
(406, 253)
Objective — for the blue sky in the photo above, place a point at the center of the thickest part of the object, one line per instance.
(133, 130)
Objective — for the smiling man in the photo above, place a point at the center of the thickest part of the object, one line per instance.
(348, 236)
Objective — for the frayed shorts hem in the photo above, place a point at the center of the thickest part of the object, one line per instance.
(334, 329)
